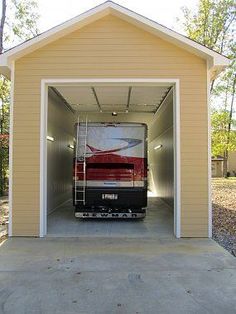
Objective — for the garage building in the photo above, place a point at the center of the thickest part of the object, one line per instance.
(110, 59)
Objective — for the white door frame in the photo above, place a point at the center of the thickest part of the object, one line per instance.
(108, 82)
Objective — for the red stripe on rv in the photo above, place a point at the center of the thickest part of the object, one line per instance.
(137, 173)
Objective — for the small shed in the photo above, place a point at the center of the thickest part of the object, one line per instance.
(217, 166)
(110, 50)
(232, 164)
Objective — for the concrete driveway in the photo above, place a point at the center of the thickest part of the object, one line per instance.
(116, 275)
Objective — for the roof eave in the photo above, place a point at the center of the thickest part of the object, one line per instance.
(5, 69)
(216, 62)
(220, 63)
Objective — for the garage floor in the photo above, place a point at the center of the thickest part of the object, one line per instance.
(158, 223)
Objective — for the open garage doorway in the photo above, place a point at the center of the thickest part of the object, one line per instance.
(154, 102)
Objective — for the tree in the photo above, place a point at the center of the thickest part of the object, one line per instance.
(3, 19)
(2, 87)
(213, 25)
(222, 140)
(18, 22)
(4, 132)
(21, 19)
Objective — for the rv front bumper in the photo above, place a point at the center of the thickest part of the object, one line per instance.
(109, 215)
(114, 198)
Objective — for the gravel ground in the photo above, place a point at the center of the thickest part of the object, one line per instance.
(224, 213)
(3, 210)
(3, 217)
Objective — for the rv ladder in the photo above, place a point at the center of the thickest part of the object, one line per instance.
(80, 162)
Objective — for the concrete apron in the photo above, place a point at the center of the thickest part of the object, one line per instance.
(117, 275)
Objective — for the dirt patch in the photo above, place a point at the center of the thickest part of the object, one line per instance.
(224, 213)
(4, 216)
(3, 238)
(4, 212)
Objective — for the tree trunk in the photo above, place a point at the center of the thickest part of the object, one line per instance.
(225, 164)
(226, 153)
(2, 23)
(3, 18)
(1, 154)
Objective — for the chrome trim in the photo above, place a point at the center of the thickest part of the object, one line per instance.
(109, 215)
(107, 183)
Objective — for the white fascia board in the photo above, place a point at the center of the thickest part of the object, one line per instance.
(221, 60)
(5, 71)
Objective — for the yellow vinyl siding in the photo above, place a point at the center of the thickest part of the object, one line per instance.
(110, 48)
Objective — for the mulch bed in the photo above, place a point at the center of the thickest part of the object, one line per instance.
(3, 210)
(224, 213)
(3, 217)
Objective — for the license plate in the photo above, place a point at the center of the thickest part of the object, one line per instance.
(109, 196)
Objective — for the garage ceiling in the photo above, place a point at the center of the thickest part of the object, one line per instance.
(108, 99)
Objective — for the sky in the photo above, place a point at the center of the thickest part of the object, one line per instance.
(54, 12)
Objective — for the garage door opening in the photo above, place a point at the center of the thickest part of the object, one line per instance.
(152, 103)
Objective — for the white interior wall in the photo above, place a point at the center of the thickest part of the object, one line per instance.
(161, 161)
(59, 156)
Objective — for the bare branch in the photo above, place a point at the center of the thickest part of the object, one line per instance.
(3, 18)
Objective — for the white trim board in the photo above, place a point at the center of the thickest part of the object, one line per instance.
(43, 159)
(209, 160)
(108, 82)
(216, 61)
(177, 159)
(11, 150)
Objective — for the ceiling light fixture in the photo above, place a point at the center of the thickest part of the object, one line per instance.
(158, 146)
(114, 114)
(50, 138)
(71, 146)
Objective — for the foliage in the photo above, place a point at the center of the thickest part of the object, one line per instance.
(222, 139)
(18, 23)
(4, 132)
(214, 25)
(21, 21)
